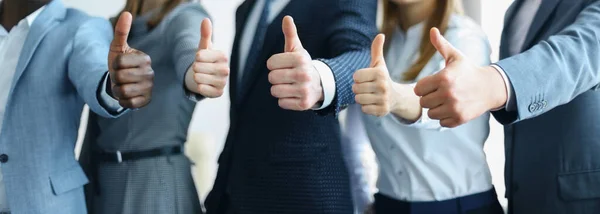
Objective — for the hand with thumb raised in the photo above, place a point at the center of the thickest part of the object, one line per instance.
(296, 82)
(373, 86)
(130, 70)
(211, 67)
(462, 91)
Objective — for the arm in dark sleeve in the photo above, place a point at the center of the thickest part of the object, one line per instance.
(349, 40)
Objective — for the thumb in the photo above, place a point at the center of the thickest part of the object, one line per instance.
(443, 46)
(292, 41)
(377, 57)
(206, 35)
(122, 28)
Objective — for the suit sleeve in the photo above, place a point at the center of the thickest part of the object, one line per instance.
(88, 63)
(183, 36)
(349, 40)
(555, 71)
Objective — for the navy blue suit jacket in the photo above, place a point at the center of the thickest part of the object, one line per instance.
(281, 161)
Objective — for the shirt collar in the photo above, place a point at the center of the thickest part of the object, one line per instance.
(31, 18)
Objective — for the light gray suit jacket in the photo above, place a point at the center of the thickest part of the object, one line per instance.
(553, 138)
(60, 68)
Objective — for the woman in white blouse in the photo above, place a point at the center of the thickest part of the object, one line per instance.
(424, 168)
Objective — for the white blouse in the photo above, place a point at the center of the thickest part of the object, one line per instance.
(423, 161)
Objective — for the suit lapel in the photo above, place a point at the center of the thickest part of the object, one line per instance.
(546, 9)
(46, 21)
(508, 21)
(242, 14)
(273, 37)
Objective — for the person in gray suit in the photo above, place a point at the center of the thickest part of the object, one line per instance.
(54, 60)
(136, 163)
(545, 91)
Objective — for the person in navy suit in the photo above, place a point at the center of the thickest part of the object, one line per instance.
(290, 77)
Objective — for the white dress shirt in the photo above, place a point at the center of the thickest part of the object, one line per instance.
(518, 31)
(327, 78)
(11, 46)
(422, 161)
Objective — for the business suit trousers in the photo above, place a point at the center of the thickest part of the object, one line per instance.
(480, 203)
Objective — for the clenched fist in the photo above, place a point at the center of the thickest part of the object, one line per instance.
(211, 68)
(462, 91)
(296, 83)
(373, 86)
(131, 73)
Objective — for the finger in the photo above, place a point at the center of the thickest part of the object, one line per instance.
(131, 90)
(212, 80)
(206, 35)
(427, 85)
(122, 28)
(135, 102)
(211, 56)
(285, 60)
(449, 123)
(439, 113)
(131, 60)
(282, 76)
(292, 41)
(218, 69)
(368, 87)
(367, 75)
(443, 46)
(433, 100)
(286, 91)
(369, 99)
(377, 57)
(210, 91)
(294, 104)
(132, 75)
(375, 110)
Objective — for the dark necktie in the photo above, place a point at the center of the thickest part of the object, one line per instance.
(255, 48)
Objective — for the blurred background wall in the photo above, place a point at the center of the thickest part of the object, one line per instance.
(211, 118)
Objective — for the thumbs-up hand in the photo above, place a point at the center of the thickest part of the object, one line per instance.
(130, 70)
(462, 91)
(296, 83)
(211, 68)
(373, 86)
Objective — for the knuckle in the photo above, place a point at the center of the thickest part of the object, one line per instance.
(304, 92)
(146, 60)
(302, 76)
(224, 70)
(305, 104)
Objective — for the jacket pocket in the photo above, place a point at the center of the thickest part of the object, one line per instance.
(67, 180)
(579, 186)
(297, 152)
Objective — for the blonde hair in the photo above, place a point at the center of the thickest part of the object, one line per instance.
(440, 19)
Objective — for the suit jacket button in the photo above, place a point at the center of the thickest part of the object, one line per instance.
(533, 107)
(3, 158)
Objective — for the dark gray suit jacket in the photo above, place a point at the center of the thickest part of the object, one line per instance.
(552, 139)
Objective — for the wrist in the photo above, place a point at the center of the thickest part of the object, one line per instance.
(405, 104)
(498, 91)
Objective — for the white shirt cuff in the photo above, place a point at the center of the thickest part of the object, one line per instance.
(327, 83)
(510, 103)
(111, 103)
